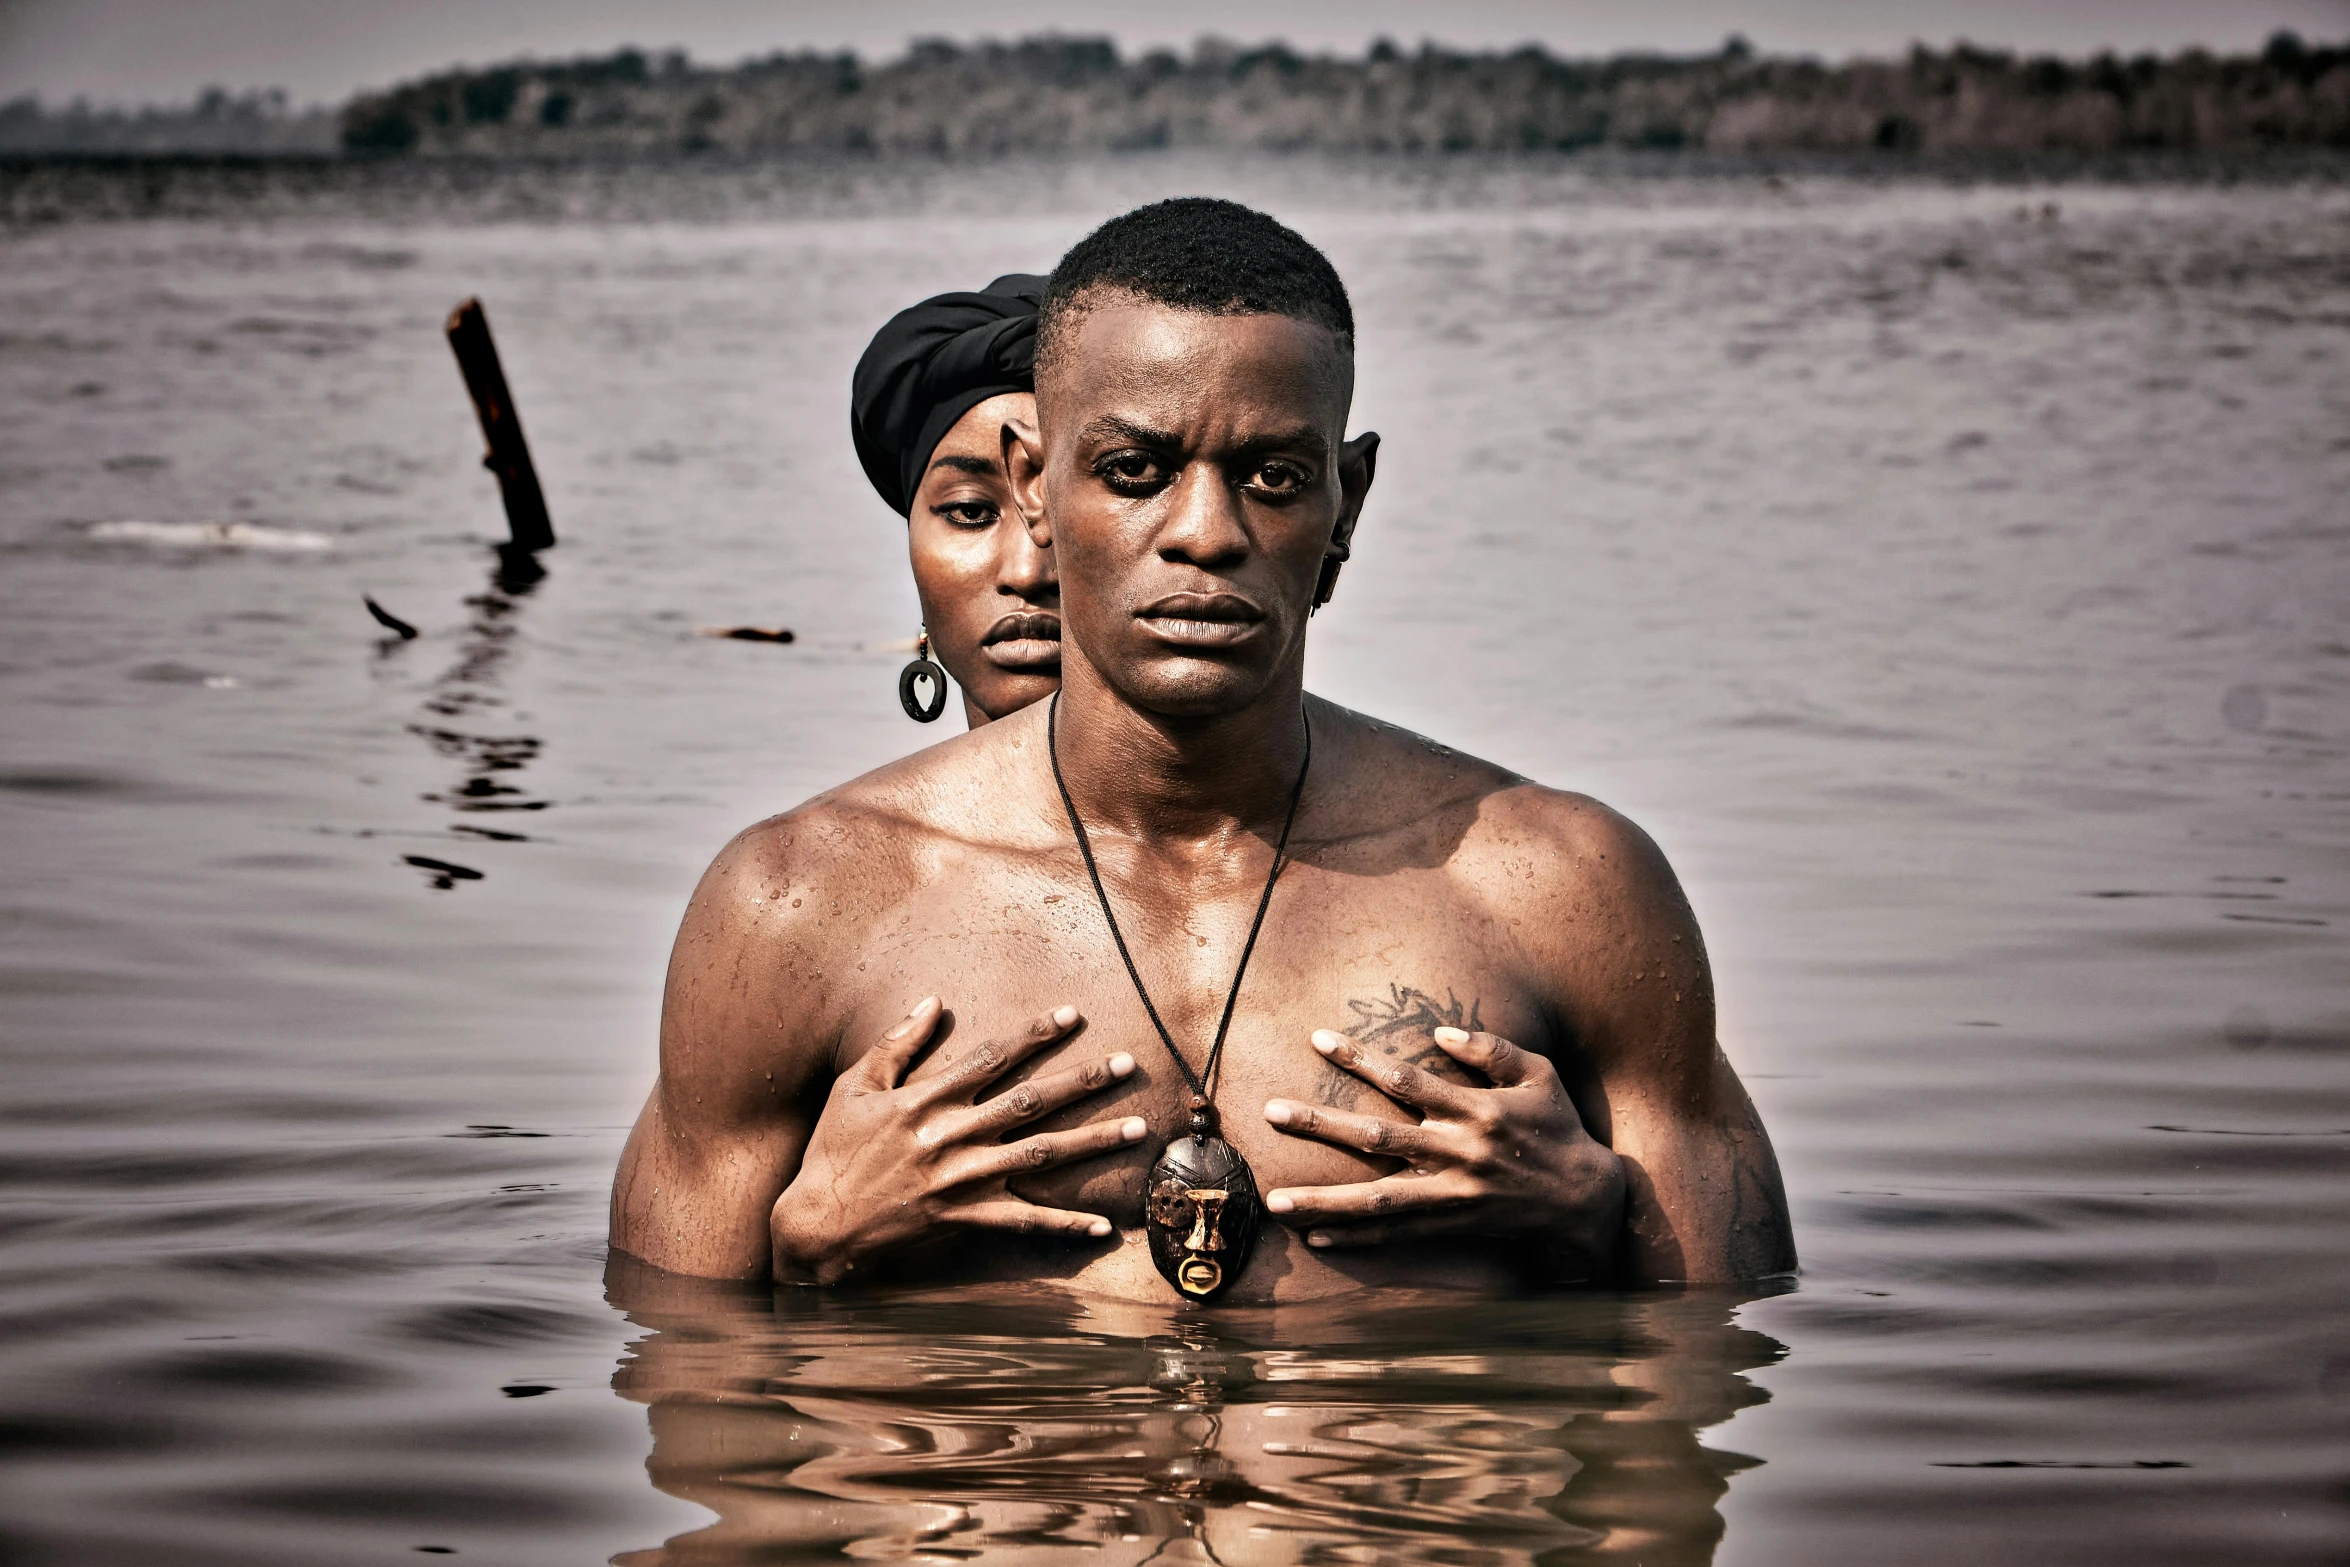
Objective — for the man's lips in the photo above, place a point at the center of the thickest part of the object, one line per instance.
(1024, 641)
(1202, 619)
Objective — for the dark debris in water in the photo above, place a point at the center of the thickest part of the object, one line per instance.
(751, 633)
(525, 1389)
(2230, 1131)
(495, 1131)
(2064, 1463)
(444, 874)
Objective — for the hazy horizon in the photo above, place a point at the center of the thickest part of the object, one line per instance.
(131, 52)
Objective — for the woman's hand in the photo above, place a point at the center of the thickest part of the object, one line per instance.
(890, 1163)
(1512, 1159)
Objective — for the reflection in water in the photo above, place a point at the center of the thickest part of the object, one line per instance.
(1043, 1429)
(468, 688)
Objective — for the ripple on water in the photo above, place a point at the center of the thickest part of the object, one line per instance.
(227, 1369)
(491, 1324)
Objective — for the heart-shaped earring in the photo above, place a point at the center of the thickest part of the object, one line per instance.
(923, 668)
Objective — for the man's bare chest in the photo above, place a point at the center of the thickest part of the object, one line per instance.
(1384, 959)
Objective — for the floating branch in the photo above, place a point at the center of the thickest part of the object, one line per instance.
(529, 528)
(751, 633)
(389, 621)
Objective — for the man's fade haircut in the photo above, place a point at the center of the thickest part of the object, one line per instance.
(1196, 253)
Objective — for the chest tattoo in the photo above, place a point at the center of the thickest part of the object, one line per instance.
(1398, 1025)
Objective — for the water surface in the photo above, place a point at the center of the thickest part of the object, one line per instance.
(1954, 576)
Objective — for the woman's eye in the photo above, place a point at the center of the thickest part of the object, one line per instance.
(970, 514)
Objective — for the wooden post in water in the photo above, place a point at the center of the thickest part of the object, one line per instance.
(528, 526)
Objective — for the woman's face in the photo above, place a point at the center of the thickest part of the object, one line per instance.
(989, 595)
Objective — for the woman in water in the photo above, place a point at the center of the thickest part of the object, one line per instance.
(929, 408)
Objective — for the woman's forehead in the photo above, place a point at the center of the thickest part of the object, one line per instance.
(977, 437)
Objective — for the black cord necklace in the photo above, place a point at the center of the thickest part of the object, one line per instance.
(1201, 1209)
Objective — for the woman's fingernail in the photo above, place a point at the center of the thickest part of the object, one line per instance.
(1317, 1239)
(1098, 1227)
(1325, 1041)
(1280, 1202)
(1065, 1016)
(1453, 1036)
(1277, 1111)
(1133, 1129)
(1121, 1065)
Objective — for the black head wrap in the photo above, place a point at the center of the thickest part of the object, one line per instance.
(931, 365)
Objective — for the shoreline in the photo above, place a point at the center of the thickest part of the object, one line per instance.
(1075, 96)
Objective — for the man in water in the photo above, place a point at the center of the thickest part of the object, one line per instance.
(1471, 1027)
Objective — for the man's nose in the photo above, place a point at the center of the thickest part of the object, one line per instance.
(1204, 526)
(1023, 570)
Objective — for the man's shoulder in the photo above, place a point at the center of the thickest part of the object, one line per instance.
(1565, 839)
(1506, 837)
(875, 835)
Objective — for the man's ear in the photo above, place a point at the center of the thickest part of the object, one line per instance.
(1024, 470)
(1358, 464)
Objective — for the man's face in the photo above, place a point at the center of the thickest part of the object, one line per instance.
(1191, 486)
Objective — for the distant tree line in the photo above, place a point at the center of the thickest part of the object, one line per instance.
(1064, 95)
(1078, 95)
(217, 121)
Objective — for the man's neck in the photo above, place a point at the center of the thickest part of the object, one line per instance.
(1167, 779)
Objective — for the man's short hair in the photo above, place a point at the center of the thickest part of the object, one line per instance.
(1196, 253)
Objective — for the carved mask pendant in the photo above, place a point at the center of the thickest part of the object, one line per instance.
(1203, 1215)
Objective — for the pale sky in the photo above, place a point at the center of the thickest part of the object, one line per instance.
(153, 51)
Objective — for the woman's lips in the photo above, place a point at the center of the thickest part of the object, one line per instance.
(1024, 653)
(1025, 642)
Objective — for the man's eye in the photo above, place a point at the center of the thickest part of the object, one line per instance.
(1279, 478)
(1130, 470)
